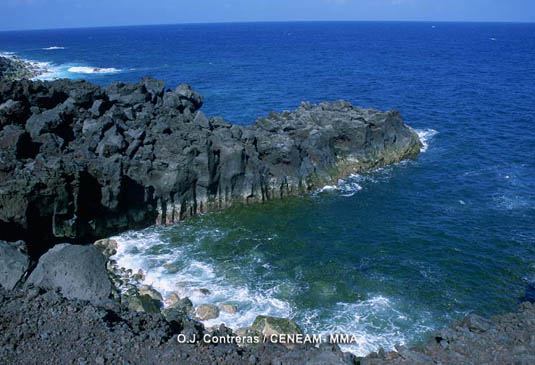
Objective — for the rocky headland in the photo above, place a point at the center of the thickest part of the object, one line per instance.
(81, 162)
(13, 68)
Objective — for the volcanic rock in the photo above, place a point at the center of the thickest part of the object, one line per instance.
(80, 162)
(207, 311)
(14, 263)
(79, 272)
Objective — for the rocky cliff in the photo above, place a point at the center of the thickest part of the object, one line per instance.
(80, 162)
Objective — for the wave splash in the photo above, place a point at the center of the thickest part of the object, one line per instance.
(346, 187)
(174, 270)
(92, 70)
(53, 48)
(377, 321)
(425, 136)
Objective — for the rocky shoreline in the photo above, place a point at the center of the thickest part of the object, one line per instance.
(37, 323)
(80, 162)
(13, 68)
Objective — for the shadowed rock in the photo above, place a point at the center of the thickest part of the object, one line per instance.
(14, 263)
(80, 162)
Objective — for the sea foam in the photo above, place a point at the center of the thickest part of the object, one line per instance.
(425, 136)
(53, 48)
(175, 270)
(92, 70)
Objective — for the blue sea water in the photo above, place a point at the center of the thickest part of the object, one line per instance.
(388, 255)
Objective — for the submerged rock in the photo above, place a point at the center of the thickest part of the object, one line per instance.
(204, 291)
(84, 161)
(229, 308)
(79, 272)
(14, 263)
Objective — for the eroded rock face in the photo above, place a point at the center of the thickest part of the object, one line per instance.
(79, 162)
(79, 272)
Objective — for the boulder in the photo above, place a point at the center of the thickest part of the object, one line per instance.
(229, 308)
(139, 276)
(172, 299)
(47, 121)
(275, 326)
(79, 272)
(184, 305)
(151, 292)
(107, 247)
(14, 263)
(174, 314)
(477, 323)
(12, 110)
(207, 311)
(143, 303)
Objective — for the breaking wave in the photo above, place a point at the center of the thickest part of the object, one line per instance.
(92, 70)
(425, 136)
(53, 48)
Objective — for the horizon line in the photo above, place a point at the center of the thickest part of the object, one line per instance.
(272, 21)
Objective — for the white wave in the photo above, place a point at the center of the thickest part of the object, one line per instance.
(92, 70)
(346, 187)
(425, 136)
(189, 275)
(49, 72)
(375, 322)
(327, 188)
(53, 48)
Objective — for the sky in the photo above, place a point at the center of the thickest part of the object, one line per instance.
(41, 14)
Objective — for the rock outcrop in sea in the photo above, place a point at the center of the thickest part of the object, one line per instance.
(13, 68)
(80, 162)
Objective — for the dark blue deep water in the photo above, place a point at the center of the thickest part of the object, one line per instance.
(390, 254)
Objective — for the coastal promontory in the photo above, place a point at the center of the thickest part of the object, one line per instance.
(80, 162)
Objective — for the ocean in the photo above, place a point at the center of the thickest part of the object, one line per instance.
(388, 255)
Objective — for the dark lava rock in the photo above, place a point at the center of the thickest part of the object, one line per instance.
(14, 263)
(39, 327)
(79, 272)
(505, 339)
(13, 68)
(80, 162)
